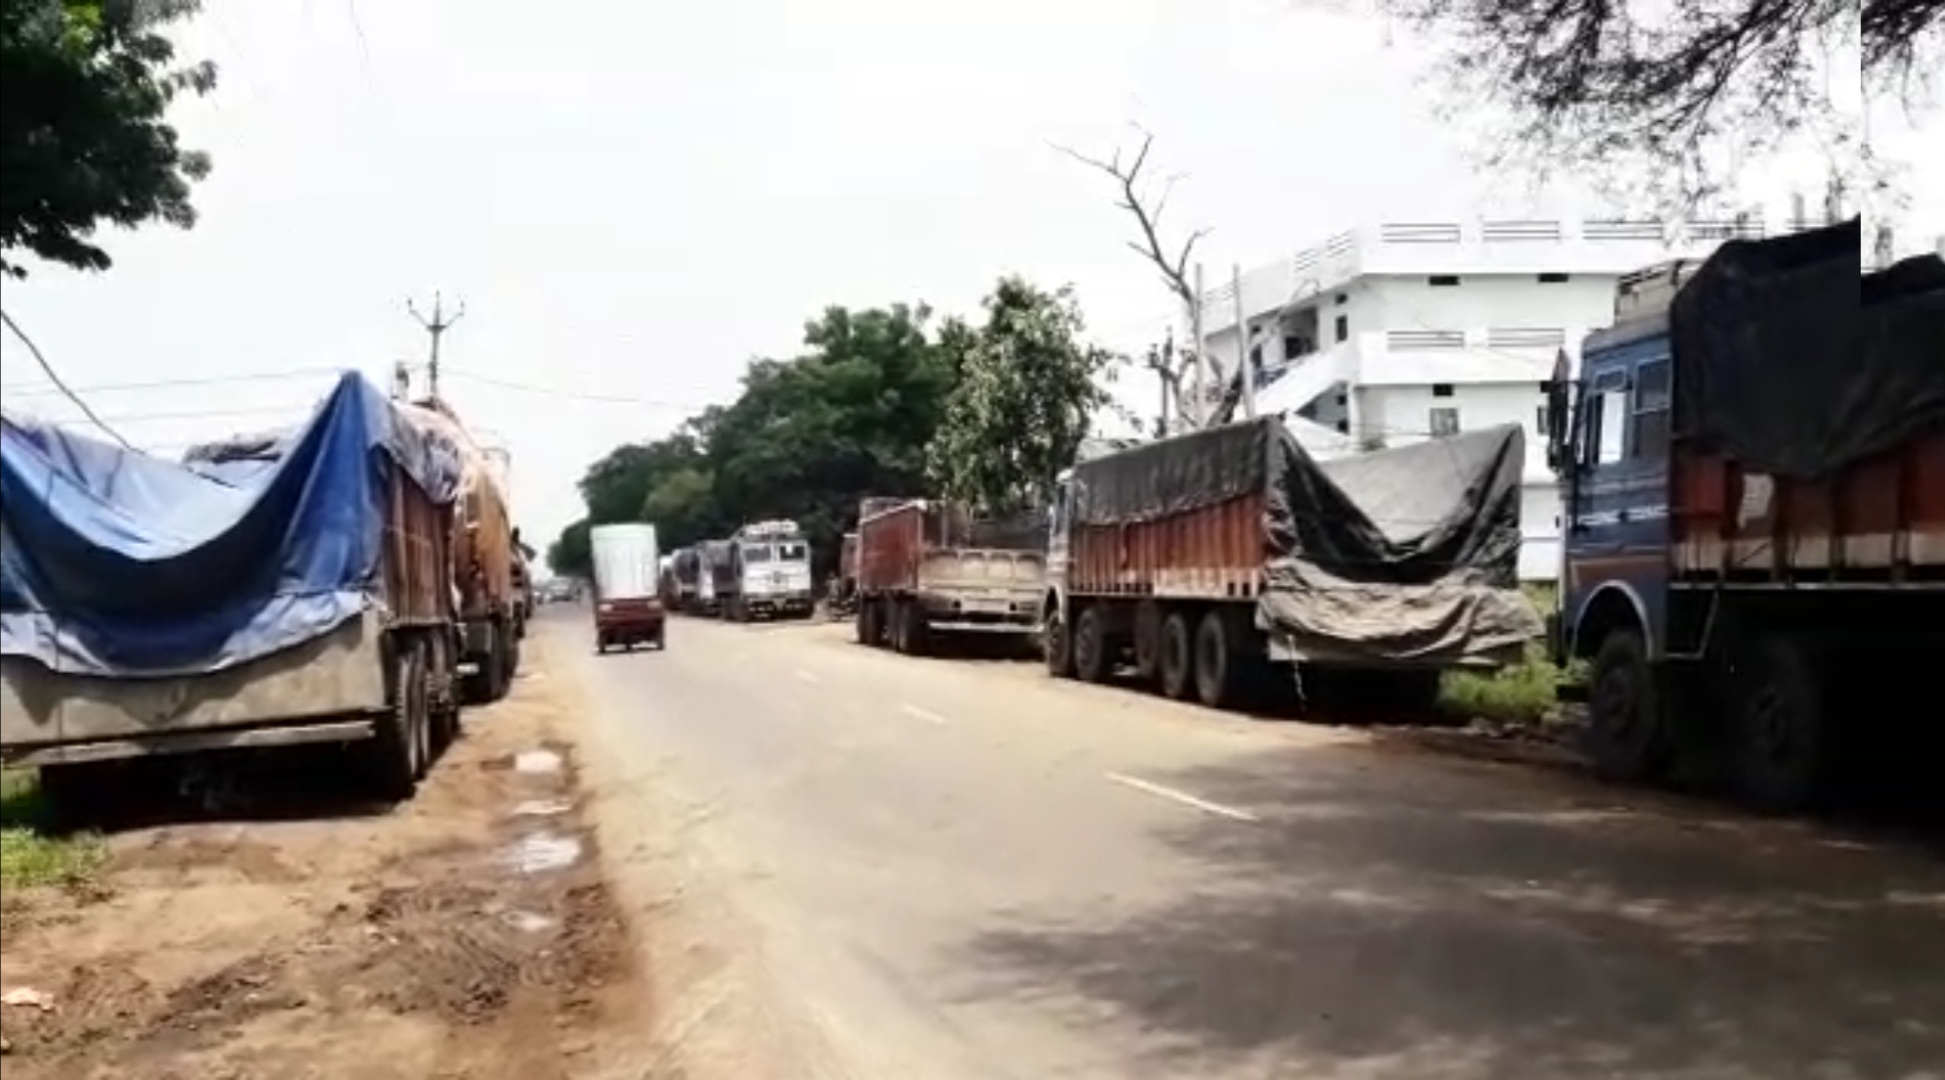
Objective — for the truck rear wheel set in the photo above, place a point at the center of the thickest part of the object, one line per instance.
(1646, 720)
(1183, 653)
(403, 747)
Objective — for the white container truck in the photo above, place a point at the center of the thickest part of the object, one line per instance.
(627, 587)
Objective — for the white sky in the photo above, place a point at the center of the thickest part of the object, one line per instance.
(635, 198)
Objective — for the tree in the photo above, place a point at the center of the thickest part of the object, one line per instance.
(1028, 388)
(571, 555)
(1171, 365)
(1669, 92)
(84, 86)
(805, 439)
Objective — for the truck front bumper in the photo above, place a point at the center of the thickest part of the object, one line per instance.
(795, 604)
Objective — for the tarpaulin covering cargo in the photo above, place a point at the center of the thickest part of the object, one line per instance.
(1400, 555)
(1788, 362)
(116, 563)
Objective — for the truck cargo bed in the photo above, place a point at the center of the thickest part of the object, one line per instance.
(1210, 552)
(1882, 519)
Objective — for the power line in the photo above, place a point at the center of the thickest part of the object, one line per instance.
(37, 390)
(59, 384)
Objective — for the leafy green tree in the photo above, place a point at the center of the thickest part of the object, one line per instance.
(1027, 392)
(570, 555)
(805, 439)
(84, 86)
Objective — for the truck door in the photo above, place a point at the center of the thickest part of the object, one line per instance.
(1616, 515)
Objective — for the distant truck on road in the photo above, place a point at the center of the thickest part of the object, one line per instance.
(684, 567)
(925, 569)
(628, 607)
(714, 574)
(1752, 465)
(1226, 563)
(767, 574)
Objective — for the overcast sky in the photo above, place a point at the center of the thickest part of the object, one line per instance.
(633, 199)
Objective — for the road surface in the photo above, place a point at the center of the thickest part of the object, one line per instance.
(960, 869)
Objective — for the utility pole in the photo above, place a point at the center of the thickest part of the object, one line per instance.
(1245, 363)
(435, 328)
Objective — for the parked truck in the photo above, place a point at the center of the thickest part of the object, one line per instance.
(715, 576)
(1752, 463)
(767, 574)
(683, 566)
(841, 595)
(1227, 562)
(928, 568)
(485, 557)
(295, 588)
(627, 587)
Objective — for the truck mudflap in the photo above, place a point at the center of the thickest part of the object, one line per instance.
(327, 689)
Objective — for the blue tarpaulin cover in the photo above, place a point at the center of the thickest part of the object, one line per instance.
(116, 563)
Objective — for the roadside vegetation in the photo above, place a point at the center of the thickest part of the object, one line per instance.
(1521, 694)
(31, 851)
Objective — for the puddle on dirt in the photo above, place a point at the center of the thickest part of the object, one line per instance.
(537, 761)
(529, 923)
(542, 808)
(540, 852)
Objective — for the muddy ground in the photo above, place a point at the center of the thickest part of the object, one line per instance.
(273, 926)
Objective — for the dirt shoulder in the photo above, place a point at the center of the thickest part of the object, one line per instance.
(469, 934)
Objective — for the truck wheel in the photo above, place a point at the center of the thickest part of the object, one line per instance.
(916, 643)
(394, 747)
(1628, 738)
(1148, 641)
(1779, 728)
(1058, 644)
(1215, 662)
(1090, 645)
(861, 624)
(1176, 660)
(444, 706)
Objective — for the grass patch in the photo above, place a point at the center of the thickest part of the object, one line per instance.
(1522, 693)
(30, 852)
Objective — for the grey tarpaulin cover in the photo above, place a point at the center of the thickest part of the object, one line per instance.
(1400, 555)
(1792, 362)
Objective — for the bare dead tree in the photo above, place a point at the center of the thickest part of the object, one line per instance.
(1677, 89)
(1146, 202)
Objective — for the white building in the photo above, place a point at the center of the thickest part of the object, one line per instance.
(1400, 332)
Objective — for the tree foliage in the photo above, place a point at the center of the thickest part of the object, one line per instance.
(805, 439)
(1028, 388)
(854, 414)
(1667, 88)
(84, 86)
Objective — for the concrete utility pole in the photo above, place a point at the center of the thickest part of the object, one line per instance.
(1245, 366)
(436, 328)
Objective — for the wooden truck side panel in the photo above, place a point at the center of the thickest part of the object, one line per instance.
(891, 543)
(1878, 520)
(1213, 552)
(418, 562)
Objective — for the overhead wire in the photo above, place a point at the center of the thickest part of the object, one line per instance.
(60, 384)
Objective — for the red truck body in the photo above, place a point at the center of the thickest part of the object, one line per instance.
(1882, 519)
(1214, 552)
(919, 572)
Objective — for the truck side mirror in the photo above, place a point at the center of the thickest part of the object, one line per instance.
(1559, 406)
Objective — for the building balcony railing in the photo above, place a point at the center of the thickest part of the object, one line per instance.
(1610, 245)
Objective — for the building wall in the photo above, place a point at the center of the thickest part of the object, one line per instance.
(1511, 301)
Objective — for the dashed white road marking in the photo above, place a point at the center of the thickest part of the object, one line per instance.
(926, 715)
(1183, 797)
(806, 676)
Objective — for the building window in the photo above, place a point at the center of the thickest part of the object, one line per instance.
(1541, 420)
(1441, 389)
(1445, 422)
(1554, 278)
(1256, 357)
(1649, 437)
(1343, 298)
(1343, 328)
(1444, 280)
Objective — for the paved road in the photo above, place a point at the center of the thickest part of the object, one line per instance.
(961, 869)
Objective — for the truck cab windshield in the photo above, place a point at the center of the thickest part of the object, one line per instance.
(757, 553)
(791, 551)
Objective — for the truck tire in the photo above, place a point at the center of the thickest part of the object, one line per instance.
(444, 708)
(396, 745)
(1779, 727)
(1058, 645)
(1628, 736)
(1216, 664)
(1177, 660)
(1091, 645)
(916, 642)
(1148, 641)
(861, 624)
